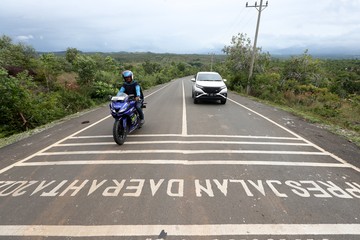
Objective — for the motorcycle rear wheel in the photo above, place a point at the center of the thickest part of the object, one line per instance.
(119, 132)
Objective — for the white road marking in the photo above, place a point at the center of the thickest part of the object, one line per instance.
(184, 121)
(185, 162)
(180, 230)
(189, 136)
(185, 152)
(184, 142)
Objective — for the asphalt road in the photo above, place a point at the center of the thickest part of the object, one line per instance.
(242, 170)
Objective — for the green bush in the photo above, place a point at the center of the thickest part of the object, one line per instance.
(46, 107)
(326, 111)
(73, 101)
(266, 86)
(16, 101)
(101, 90)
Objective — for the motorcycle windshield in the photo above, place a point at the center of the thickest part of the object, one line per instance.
(122, 97)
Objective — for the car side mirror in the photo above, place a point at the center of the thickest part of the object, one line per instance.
(224, 80)
(193, 79)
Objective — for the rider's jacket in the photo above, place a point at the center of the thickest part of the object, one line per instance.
(131, 88)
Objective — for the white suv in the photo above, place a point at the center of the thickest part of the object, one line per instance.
(209, 86)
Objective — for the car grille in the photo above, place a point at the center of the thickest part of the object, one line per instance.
(211, 89)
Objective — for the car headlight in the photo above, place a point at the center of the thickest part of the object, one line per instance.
(199, 86)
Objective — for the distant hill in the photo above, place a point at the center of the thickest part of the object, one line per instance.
(318, 52)
(284, 53)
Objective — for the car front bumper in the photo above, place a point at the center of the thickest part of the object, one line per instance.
(200, 94)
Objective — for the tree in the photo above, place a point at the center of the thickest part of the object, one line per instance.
(239, 59)
(51, 68)
(110, 64)
(304, 70)
(151, 68)
(71, 54)
(239, 53)
(18, 55)
(86, 68)
(16, 101)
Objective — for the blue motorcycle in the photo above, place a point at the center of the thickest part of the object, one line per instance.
(126, 116)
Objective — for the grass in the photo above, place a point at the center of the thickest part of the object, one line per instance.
(337, 125)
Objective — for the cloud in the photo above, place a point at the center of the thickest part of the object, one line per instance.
(185, 26)
(24, 38)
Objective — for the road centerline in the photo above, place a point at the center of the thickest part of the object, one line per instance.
(184, 120)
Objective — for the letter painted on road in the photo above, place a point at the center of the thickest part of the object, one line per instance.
(176, 188)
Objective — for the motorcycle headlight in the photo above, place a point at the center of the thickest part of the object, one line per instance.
(123, 108)
(118, 108)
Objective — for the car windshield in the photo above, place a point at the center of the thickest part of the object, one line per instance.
(209, 77)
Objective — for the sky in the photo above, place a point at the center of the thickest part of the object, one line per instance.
(182, 26)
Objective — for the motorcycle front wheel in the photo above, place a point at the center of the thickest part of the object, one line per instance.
(119, 132)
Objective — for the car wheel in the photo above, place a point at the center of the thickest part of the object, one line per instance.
(196, 101)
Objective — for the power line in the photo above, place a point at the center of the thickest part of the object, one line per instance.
(259, 8)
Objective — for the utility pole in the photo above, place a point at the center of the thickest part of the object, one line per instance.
(211, 60)
(259, 8)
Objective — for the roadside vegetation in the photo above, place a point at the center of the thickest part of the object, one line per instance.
(323, 91)
(38, 88)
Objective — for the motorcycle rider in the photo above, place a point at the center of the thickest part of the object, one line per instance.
(131, 86)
